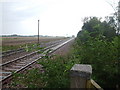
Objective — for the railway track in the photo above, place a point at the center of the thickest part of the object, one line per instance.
(21, 50)
(23, 62)
(12, 54)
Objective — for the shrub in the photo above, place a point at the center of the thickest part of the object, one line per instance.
(104, 57)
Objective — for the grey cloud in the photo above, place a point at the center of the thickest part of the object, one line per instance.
(10, 14)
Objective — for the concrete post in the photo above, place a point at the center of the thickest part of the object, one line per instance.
(80, 75)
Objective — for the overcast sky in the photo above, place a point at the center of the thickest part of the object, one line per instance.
(57, 17)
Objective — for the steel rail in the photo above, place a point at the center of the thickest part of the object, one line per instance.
(11, 52)
(14, 60)
(52, 47)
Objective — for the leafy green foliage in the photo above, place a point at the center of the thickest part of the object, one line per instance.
(55, 75)
(99, 45)
(103, 56)
(57, 71)
(95, 27)
(33, 47)
(31, 79)
(10, 47)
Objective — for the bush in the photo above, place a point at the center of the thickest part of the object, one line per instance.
(57, 71)
(103, 56)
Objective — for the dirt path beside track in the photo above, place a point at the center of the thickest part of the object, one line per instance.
(64, 50)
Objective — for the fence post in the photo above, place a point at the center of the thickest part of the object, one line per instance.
(80, 76)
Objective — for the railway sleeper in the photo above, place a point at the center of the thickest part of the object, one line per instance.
(20, 64)
(5, 73)
(2, 77)
(16, 66)
(11, 69)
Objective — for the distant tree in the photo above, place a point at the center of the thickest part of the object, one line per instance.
(115, 19)
(14, 35)
(108, 30)
(96, 27)
(92, 26)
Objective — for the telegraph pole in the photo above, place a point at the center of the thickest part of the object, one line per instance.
(38, 31)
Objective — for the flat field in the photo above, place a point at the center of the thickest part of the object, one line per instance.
(9, 43)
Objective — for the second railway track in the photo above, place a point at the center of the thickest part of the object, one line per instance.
(23, 62)
(12, 54)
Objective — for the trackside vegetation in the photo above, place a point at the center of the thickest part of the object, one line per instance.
(95, 46)
(91, 46)
(98, 44)
(55, 73)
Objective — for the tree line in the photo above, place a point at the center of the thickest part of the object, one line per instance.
(98, 44)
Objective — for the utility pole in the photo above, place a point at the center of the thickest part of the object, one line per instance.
(38, 31)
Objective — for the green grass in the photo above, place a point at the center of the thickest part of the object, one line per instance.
(12, 47)
(0, 48)
(10, 38)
